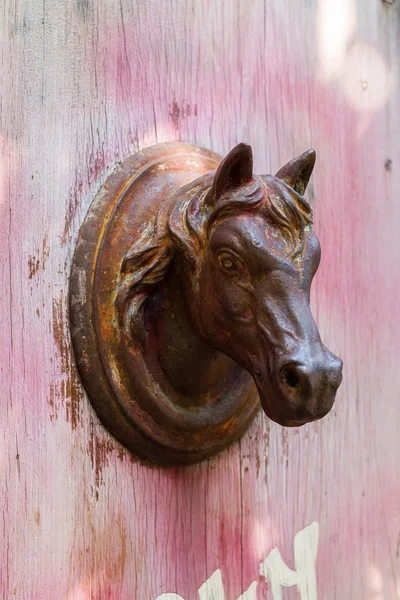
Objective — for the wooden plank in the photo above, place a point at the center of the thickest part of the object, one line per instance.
(83, 84)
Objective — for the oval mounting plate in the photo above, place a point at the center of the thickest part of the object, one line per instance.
(124, 382)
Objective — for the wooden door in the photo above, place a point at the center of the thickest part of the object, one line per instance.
(84, 83)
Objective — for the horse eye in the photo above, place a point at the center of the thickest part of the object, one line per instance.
(228, 263)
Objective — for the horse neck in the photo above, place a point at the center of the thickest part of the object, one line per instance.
(191, 365)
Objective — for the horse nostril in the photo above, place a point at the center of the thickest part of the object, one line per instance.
(291, 378)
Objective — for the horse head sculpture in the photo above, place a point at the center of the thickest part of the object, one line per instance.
(223, 269)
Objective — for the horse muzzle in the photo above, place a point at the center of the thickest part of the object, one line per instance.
(302, 388)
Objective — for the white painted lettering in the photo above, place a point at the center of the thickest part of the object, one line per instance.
(213, 588)
(274, 570)
(305, 554)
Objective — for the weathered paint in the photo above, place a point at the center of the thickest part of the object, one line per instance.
(304, 576)
(274, 570)
(83, 85)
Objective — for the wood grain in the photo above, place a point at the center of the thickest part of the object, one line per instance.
(84, 84)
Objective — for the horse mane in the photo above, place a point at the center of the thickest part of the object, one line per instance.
(185, 228)
(145, 264)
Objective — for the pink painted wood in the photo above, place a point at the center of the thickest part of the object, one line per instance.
(84, 84)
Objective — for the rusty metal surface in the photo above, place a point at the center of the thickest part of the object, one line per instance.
(187, 287)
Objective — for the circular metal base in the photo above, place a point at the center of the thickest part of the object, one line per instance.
(125, 384)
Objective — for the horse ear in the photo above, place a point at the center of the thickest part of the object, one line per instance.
(235, 170)
(297, 172)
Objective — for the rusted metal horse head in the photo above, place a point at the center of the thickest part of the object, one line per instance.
(217, 282)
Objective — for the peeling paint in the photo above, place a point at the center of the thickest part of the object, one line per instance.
(68, 391)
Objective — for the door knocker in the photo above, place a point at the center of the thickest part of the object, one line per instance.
(189, 302)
